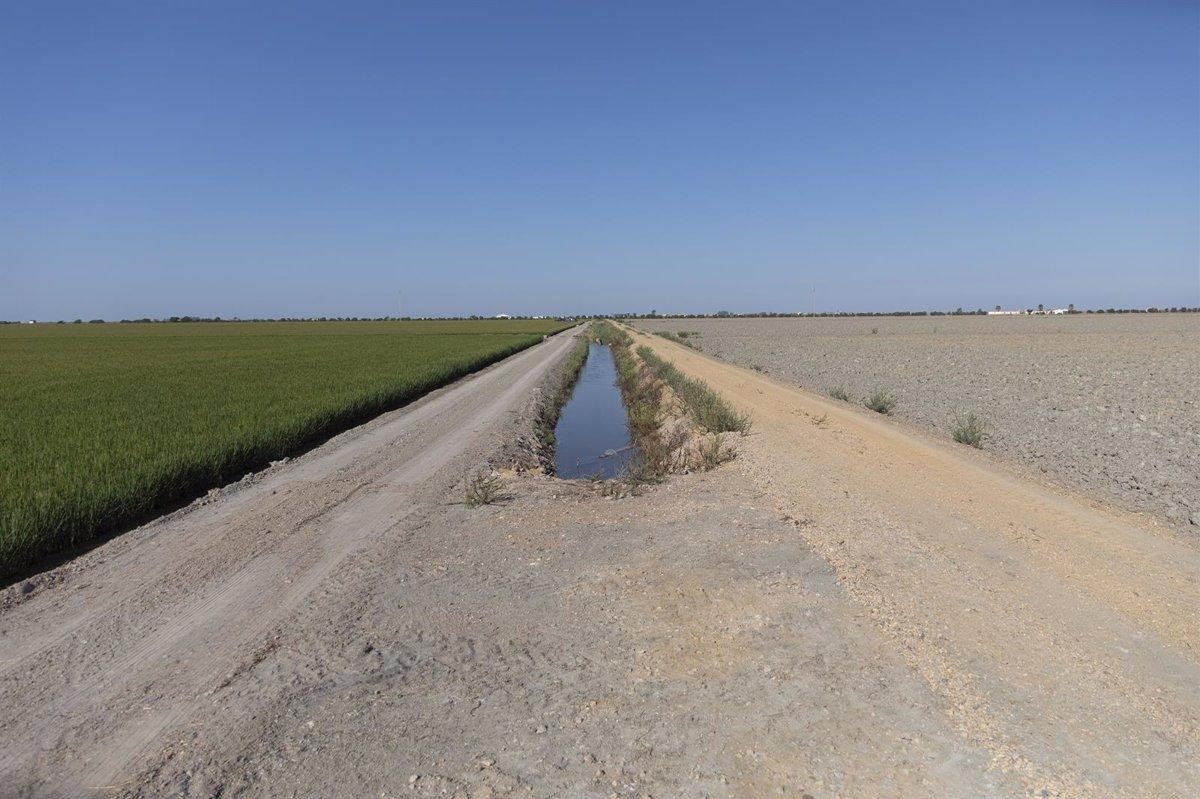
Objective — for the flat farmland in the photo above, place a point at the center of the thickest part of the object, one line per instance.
(1108, 404)
(106, 423)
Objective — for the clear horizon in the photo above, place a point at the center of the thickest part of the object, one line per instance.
(611, 313)
(378, 160)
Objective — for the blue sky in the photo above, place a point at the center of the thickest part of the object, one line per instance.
(251, 159)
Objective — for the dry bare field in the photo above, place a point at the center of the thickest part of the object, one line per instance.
(1106, 404)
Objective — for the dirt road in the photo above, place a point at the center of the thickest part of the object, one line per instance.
(129, 641)
(1061, 635)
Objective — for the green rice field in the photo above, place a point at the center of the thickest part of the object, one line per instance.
(104, 424)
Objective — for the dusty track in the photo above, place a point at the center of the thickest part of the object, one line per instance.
(130, 640)
(1061, 635)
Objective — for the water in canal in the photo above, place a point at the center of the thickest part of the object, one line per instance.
(592, 436)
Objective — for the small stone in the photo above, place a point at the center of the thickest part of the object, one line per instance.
(1195, 519)
(412, 779)
(541, 728)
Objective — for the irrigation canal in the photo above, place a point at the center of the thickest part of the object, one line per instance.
(592, 437)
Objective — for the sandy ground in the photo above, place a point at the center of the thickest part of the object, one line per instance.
(1060, 633)
(1107, 404)
(793, 624)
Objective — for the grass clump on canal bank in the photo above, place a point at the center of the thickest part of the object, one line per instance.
(712, 452)
(704, 405)
(557, 395)
(608, 334)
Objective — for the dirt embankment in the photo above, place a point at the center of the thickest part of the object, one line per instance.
(1104, 403)
(1060, 635)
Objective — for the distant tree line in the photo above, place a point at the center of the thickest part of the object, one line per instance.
(626, 315)
(835, 314)
(177, 319)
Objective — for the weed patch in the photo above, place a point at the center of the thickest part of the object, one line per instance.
(609, 335)
(839, 393)
(679, 338)
(880, 401)
(969, 429)
(712, 452)
(707, 409)
(483, 488)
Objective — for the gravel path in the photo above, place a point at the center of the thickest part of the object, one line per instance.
(1106, 404)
